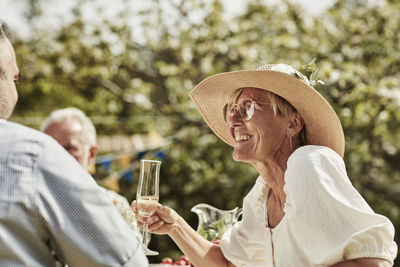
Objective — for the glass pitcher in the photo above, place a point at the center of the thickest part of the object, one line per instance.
(214, 222)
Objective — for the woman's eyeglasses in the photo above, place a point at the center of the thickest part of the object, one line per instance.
(246, 109)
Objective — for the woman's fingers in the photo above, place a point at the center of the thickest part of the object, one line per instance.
(134, 206)
(151, 220)
(166, 214)
(153, 227)
(161, 221)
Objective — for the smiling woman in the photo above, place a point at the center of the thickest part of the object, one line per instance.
(265, 135)
(247, 108)
(277, 122)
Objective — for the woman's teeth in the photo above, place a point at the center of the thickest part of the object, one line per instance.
(242, 137)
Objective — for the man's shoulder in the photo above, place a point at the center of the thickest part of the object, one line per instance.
(8, 128)
(17, 138)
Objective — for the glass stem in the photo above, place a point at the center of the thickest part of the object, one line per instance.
(145, 229)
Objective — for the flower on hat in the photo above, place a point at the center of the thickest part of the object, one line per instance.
(291, 71)
(311, 68)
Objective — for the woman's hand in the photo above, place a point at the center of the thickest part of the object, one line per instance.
(200, 251)
(161, 222)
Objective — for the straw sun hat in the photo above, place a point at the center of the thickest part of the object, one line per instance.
(322, 124)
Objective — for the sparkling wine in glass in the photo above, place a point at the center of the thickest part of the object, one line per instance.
(147, 195)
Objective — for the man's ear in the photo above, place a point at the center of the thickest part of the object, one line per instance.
(296, 123)
(92, 154)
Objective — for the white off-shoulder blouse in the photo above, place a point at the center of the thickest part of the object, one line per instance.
(326, 220)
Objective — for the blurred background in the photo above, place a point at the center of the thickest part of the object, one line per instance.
(130, 64)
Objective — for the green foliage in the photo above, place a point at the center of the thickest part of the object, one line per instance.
(143, 84)
(213, 230)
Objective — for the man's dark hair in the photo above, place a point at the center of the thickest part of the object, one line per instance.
(4, 30)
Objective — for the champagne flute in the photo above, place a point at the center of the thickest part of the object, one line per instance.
(147, 195)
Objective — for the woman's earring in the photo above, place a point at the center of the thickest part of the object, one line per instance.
(290, 142)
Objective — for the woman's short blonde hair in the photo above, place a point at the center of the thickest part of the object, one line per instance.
(279, 106)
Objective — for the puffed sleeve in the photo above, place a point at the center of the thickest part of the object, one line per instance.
(246, 244)
(328, 217)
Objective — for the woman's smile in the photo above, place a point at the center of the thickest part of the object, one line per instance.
(241, 137)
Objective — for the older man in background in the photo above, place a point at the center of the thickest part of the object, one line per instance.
(73, 130)
(50, 207)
